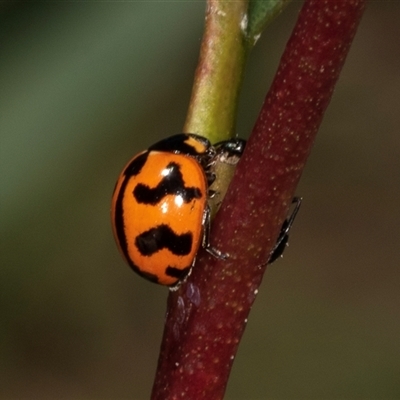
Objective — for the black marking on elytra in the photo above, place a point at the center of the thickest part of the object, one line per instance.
(134, 168)
(172, 183)
(119, 219)
(148, 275)
(163, 237)
(178, 144)
(177, 273)
(136, 165)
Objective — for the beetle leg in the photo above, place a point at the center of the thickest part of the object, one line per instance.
(206, 237)
(283, 237)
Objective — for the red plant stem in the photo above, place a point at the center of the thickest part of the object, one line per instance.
(206, 317)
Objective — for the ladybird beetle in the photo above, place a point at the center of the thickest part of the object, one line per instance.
(160, 209)
(161, 205)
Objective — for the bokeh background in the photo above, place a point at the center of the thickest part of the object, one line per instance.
(85, 86)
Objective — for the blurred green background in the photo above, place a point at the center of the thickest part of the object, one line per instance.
(85, 86)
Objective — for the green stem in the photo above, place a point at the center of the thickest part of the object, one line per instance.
(213, 105)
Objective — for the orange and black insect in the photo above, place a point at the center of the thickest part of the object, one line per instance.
(160, 206)
(160, 212)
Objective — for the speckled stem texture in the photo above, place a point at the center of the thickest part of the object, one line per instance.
(207, 315)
